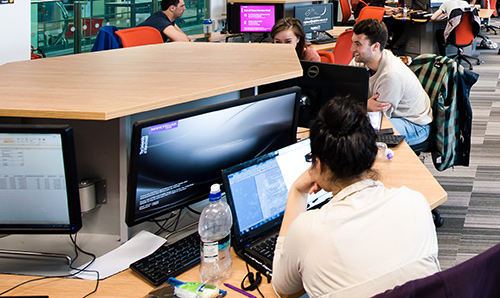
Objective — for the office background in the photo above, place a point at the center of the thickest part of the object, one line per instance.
(472, 211)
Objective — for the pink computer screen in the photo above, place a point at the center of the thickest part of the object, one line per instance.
(257, 18)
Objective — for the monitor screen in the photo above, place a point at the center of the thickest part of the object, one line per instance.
(253, 17)
(174, 159)
(316, 17)
(38, 180)
(322, 81)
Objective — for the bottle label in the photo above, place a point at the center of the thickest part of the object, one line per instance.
(210, 252)
(211, 249)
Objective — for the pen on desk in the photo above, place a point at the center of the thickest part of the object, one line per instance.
(239, 290)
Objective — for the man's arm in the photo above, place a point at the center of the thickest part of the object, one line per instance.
(376, 106)
(437, 14)
(174, 33)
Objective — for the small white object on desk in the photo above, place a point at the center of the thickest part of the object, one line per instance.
(119, 259)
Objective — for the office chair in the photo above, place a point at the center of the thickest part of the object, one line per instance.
(326, 56)
(361, 4)
(476, 277)
(345, 6)
(342, 51)
(485, 23)
(139, 36)
(462, 36)
(371, 12)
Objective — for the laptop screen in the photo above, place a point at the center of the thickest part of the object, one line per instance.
(258, 189)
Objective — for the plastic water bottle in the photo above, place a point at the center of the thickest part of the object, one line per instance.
(405, 12)
(215, 232)
(207, 28)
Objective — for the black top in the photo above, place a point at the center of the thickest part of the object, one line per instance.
(159, 21)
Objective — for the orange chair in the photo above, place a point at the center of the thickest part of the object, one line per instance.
(462, 36)
(371, 12)
(342, 51)
(361, 4)
(326, 56)
(345, 6)
(139, 36)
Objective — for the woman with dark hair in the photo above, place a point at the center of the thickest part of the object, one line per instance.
(367, 238)
(290, 30)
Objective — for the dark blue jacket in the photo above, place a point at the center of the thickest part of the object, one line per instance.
(106, 39)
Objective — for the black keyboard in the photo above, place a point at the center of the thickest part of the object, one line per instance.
(266, 247)
(324, 40)
(390, 140)
(170, 260)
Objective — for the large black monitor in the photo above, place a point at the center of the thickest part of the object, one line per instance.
(253, 17)
(322, 81)
(316, 17)
(38, 180)
(174, 159)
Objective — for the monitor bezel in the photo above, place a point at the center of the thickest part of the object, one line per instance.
(130, 218)
(233, 15)
(71, 176)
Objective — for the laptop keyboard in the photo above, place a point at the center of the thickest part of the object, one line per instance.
(266, 247)
(390, 140)
(170, 260)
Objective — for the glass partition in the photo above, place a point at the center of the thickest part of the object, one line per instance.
(53, 29)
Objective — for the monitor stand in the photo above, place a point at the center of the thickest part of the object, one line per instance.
(247, 37)
(36, 254)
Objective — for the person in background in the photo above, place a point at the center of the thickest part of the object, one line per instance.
(290, 30)
(367, 238)
(393, 88)
(164, 21)
(394, 27)
(443, 12)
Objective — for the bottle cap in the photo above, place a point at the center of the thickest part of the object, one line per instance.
(214, 192)
(207, 21)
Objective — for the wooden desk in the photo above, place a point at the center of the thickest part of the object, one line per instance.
(404, 169)
(111, 84)
(485, 13)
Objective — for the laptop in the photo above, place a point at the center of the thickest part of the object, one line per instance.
(256, 192)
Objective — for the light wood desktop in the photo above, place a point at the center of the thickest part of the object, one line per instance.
(404, 169)
(111, 84)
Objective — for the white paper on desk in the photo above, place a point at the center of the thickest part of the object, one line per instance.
(375, 119)
(119, 259)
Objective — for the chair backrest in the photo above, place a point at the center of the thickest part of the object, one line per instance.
(139, 36)
(448, 85)
(463, 32)
(476, 277)
(346, 11)
(326, 56)
(371, 12)
(342, 51)
(361, 4)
